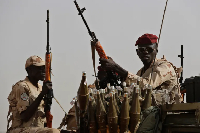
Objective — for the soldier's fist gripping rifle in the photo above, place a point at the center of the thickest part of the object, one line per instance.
(112, 77)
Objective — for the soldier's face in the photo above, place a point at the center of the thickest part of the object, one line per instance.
(37, 72)
(147, 53)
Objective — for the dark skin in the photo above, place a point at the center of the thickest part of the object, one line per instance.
(36, 73)
(101, 75)
(146, 53)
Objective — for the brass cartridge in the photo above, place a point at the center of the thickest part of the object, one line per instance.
(112, 116)
(124, 114)
(101, 114)
(135, 110)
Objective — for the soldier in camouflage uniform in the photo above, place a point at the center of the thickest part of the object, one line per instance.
(160, 73)
(26, 100)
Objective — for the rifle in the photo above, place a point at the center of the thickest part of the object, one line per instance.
(181, 56)
(48, 97)
(182, 89)
(112, 77)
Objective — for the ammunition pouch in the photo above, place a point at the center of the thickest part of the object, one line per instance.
(150, 121)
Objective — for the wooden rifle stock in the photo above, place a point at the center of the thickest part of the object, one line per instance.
(49, 118)
(48, 67)
(100, 51)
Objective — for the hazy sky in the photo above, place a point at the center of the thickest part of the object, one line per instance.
(117, 24)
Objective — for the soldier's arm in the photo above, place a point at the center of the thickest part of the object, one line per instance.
(160, 74)
(27, 111)
(109, 64)
(121, 71)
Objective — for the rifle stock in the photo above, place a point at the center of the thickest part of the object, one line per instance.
(100, 51)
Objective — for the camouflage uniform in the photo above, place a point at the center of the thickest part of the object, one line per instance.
(164, 80)
(23, 94)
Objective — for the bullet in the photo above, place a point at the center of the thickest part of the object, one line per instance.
(133, 86)
(108, 88)
(101, 114)
(123, 85)
(144, 91)
(116, 96)
(114, 99)
(125, 89)
(92, 125)
(83, 93)
(83, 98)
(147, 101)
(112, 116)
(119, 90)
(135, 110)
(102, 94)
(77, 111)
(124, 114)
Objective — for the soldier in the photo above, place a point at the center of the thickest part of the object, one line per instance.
(26, 100)
(159, 73)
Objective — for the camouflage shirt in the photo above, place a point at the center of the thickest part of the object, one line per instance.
(163, 76)
(22, 95)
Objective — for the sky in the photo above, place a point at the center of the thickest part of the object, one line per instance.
(116, 23)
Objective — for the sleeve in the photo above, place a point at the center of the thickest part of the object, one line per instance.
(161, 73)
(22, 97)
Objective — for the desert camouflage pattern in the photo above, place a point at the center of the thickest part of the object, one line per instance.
(164, 80)
(22, 95)
(34, 60)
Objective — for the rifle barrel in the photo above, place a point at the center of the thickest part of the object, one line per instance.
(181, 56)
(182, 59)
(47, 31)
(80, 13)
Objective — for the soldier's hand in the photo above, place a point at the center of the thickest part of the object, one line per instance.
(107, 64)
(46, 87)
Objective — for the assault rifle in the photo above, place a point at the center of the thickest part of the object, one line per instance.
(48, 97)
(111, 77)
